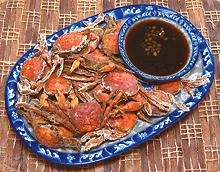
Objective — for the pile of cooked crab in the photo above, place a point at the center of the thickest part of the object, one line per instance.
(80, 93)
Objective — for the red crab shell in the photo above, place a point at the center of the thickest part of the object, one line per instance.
(123, 123)
(46, 136)
(110, 43)
(55, 83)
(122, 81)
(86, 116)
(32, 68)
(71, 41)
(100, 95)
(172, 87)
(97, 56)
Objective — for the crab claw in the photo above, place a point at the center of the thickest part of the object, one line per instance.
(107, 68)
(76, 64)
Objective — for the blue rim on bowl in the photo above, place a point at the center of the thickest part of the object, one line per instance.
(179, 22)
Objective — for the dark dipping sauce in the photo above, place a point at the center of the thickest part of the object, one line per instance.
(156, 47)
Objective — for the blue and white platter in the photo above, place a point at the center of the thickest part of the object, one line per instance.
(142, 132)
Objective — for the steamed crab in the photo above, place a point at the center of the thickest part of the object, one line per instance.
(74, 42)
(37, 69)
(80, 94)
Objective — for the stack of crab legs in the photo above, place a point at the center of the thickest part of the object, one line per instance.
(81, 94)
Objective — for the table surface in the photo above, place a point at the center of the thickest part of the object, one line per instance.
(192, 144)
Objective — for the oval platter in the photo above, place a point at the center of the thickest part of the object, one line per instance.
(116, 148)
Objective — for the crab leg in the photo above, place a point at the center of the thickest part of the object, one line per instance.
(57, 116)
(24, 88)
(155, 101)
(42, 43)
(190, 84)
(111, 104)
(76, 77)
(178, 104)
(63, 103)
(87, 86)
(99, 19)
(143, 117)
(74, 99)
(96, 138)
(56, 135)
(56, 62)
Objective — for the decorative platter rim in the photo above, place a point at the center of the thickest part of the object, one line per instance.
(55, 156)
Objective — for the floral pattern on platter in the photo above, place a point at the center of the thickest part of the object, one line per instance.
(136, 137)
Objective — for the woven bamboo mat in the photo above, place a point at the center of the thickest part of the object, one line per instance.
(193, 144)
